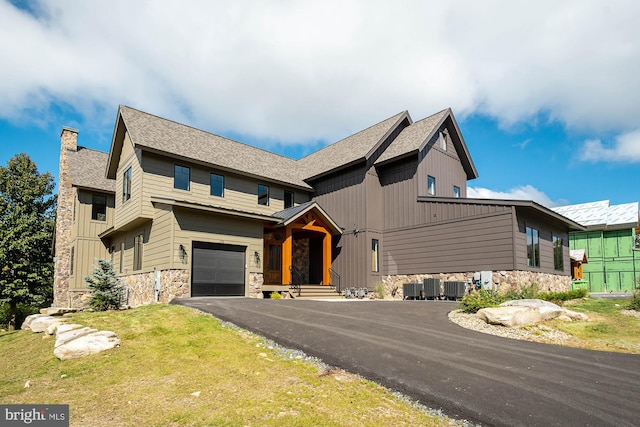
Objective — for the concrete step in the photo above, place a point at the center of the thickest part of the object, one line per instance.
(314, 292)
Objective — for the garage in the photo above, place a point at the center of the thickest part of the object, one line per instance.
(217, 270)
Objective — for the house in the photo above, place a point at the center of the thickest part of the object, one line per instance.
(610, 243)
(182, 212)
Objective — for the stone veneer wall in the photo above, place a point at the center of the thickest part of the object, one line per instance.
(174, 284)
(504, 280)
(255, 285)
(62, 295)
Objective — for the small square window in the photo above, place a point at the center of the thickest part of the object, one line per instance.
(99, 207)
(217, 185)
(443, 140)
(181, 177)
(456, 191)
(431, 185)
(288, 199)
(263, 195)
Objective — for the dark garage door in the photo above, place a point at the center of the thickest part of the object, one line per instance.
(218, 270)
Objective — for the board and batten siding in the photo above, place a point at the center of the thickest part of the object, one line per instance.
(83, 225)
(481, 242)
(240, 192)
(129, 210)
(86, 252)
(158, 250)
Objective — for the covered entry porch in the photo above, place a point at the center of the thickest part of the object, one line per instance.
(297, 250)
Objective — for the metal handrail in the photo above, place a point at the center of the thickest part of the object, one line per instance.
(295, 284)
(333, 274)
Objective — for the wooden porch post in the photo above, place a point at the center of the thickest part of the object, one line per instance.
(326, 258)
(287, 255)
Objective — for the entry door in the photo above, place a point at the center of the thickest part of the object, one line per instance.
(274, 264)
(218, 270)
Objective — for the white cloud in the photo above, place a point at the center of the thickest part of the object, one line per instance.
(625, 149)
(526, 192)
(299, 71)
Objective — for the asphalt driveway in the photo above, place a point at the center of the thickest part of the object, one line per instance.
(412, 347)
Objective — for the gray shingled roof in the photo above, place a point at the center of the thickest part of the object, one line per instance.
(286, 214)
(412, 137)
(353, 148)
(86, 168)
(173, 138)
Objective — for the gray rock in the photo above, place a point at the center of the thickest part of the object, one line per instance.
(66, 327)
(547, 310)
(41, 323)
(53, 327)
(28, 320)
(574, 315)
(510, 316)
(66, 337)
(86, 345)
(57, 311)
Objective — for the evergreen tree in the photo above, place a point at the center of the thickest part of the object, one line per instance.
(27, 210)
(106, 290)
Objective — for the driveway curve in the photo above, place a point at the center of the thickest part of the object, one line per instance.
(412, 347)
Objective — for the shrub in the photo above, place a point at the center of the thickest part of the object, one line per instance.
(105, 288)
(275, 295)
(379, 290)
(634, 304)
(475, 301)
(560, 297)
(22, 311)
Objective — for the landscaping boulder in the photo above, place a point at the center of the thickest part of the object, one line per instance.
(510, 316)
(85, 345)
(41, 323)
(26, 325)
(547, 310)
(65, 337)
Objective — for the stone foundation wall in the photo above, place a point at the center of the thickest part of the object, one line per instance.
(504, 281)
(174, 284)
(255, 285)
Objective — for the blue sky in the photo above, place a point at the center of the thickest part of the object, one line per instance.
(546, 95)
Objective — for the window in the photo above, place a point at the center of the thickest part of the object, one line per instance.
(181, 177)
(558, 261)
(73, 256)
(375, 256)
(126, 186)
(263, 195)
(217, 185)
(456, 192)
(275, 257)
(121, 266)
(533, 248)
(99, 207)
(431, 185)
(137, 252)
(288, 199)
(443, 140)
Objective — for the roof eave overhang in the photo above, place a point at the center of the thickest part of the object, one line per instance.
(522, 204)
(337, 169)
(404, 116)
(335, 229)
(111, 231)
(212, 209)
(116, 147)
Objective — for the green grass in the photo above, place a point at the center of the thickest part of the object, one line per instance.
(168, 353)
(607, 329)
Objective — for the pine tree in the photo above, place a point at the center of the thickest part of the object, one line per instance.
(27, 208)
(107, 293)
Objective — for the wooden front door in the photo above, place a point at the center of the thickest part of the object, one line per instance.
(273, 271)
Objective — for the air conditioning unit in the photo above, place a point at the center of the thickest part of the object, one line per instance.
(454, 290)
(413, 291)
(431, 288)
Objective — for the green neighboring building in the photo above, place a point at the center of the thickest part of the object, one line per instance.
(611, 244)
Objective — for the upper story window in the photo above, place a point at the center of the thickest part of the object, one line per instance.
(98, 207)
(456, 191)
(375, 255)
(181, 177)
(533, 248)
(431, 185)
(558, 260)
(126, 185)
(443, 140)
(217, 185)
(263, 195)
(288, 199)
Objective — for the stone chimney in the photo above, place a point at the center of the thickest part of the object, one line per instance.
(64, 221)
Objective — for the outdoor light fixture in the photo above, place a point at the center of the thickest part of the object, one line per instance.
(183, 253)
(256, 255)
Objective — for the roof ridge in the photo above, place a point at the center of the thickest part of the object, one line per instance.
(208, 132)
(92, 149)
